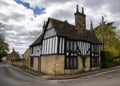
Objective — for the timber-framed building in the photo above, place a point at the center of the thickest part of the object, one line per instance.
(59, 48)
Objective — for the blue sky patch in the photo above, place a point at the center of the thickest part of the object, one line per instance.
(25, 4)
(37, 10)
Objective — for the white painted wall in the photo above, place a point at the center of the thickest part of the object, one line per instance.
(36, 50)
(49, 31)
(49, 25)
(50, 46)
(61, 45)
(84, 47)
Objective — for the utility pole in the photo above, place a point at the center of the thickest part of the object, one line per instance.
(103, 38)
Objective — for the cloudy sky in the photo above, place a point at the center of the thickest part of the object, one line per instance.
(21, 17)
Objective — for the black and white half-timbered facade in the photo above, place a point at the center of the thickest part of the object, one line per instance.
(59, 48)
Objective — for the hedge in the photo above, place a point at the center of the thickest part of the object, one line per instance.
(106, 59)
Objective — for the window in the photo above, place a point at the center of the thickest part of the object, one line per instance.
(95, 61)
(31, 61)
(67, 45)
(75, 45)
(32, 50)
(37, 50)
(67, 63)
(95, 48)
(71, 62)
(71, 58)
(71, 45)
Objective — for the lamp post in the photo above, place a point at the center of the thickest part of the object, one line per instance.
(103, 38)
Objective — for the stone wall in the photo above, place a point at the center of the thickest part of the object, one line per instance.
(26, 63)
(26, 58)
(54, 65)
(88, 62)
(19, 64)
(35, 64)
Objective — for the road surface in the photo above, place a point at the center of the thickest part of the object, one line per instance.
(12, 76)
(109, 78)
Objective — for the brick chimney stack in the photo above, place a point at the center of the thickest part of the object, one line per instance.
(80, 19)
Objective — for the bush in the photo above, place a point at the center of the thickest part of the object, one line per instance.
(18, 60)
(106, 59)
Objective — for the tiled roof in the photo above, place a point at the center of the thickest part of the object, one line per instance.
(14, 55)
(63, 28)
(37, 41)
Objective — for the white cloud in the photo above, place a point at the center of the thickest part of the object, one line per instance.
(19, 20)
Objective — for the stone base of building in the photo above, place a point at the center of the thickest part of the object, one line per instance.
(94, 68)
(52, 65)
(35, 64)
(55, 65)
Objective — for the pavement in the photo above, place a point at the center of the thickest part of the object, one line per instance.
(72, 76)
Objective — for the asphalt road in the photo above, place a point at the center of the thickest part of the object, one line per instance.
(12, 76)
(110, 78)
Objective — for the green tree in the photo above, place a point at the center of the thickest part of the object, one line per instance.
(111, 41)
(3, 45)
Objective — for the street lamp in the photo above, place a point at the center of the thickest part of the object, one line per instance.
(103, 38)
